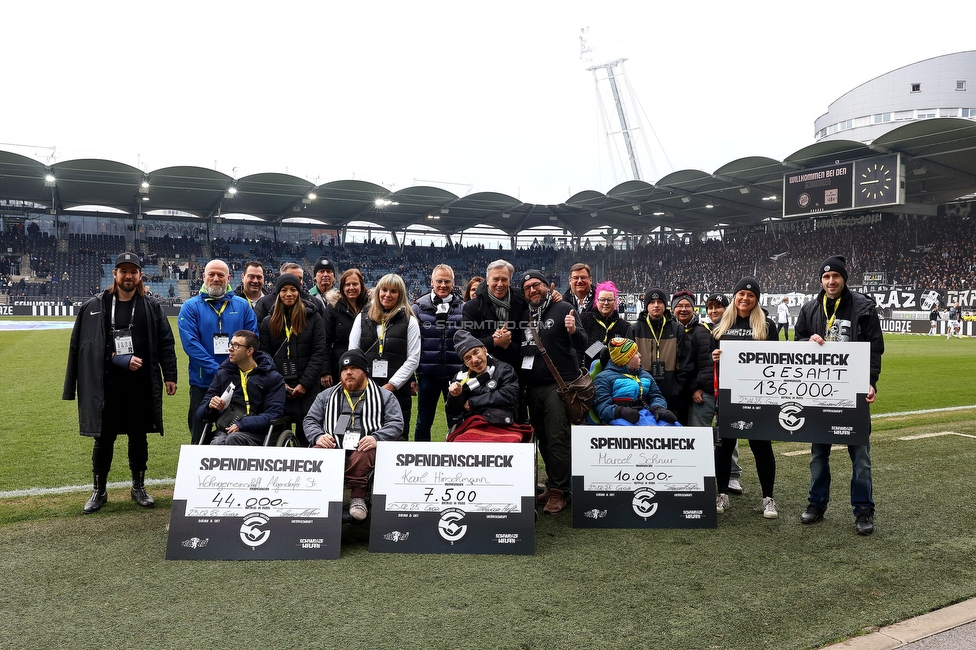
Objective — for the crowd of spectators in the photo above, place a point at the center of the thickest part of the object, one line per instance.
(913, 251)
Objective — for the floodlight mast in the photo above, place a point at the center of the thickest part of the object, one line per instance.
(625, 130)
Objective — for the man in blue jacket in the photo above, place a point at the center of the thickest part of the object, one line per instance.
(206, 323)
(246, 394)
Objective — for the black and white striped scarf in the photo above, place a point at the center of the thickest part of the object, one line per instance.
(474, 382)
(370, 416)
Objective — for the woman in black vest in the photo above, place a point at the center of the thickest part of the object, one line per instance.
(294, 335)
(388, 334)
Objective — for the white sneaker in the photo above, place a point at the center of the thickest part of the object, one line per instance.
(734, 486)
(722, 503)
(769, 508)
(357, 508)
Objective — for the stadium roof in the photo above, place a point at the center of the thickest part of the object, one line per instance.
(939, 157)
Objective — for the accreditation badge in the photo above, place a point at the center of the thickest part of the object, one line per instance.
(221, 343)
(381, 368)
(123, 341)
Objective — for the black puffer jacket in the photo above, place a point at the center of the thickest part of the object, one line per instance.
(307, 349)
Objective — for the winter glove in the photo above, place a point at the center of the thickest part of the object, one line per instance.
(627, 413)
(663, 415)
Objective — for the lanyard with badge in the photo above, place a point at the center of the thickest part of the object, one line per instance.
(352, 433)
(221, 340)
(381, 367)
(832, 332)
(289, 368)
(657, 366)
(247, 399)
(122, 338)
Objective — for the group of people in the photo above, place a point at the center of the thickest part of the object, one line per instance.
(343, 363)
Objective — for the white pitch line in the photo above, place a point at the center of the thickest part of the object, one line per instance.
(946, 409)
(935, 435)
(35, 492)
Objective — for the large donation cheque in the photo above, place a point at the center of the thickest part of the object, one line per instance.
(798, 391)
(643, 477)
(256, 503)
(454, 497)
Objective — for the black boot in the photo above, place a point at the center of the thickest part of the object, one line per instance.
(864, 521)
(139, 490)
(98, 496)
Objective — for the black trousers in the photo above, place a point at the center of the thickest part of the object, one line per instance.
(104, 450)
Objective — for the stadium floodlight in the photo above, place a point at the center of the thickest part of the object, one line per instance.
(382, 203)
(231, 191)
(685, 199)
(311, 196)
(49, 180)
(658, 214)
(709, 205)
(594, 214)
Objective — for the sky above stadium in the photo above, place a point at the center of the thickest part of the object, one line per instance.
(468, 96)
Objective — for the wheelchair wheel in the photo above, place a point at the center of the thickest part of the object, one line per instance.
(287, 439)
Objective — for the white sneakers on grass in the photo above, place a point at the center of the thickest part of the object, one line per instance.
(722, 503)
(769, 508)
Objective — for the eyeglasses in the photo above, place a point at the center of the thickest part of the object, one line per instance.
(579, 278)
(535, 286)
(607, 301)
(236, 346)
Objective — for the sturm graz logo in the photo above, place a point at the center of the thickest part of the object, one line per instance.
(643, 502)
(252, 532)
(448, 526)
(789, 416)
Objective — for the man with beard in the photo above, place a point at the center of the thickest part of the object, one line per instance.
(120, 346)
(354, 415)
(562, 336)
(839, 314)
(206, 322)
(252, 285)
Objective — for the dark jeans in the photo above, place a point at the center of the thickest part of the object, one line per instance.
(861, 490)
(548, 416)
(429, 391)
(104, 450)
(785, 328)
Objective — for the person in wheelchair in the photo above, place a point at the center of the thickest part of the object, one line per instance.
(354, 415)
(246, 394)
(484, 396)
(626, 394)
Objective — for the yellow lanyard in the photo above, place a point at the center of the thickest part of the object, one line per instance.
(640, 386)
(382, 335)
(220, 314)
(247, 400)
(288, 340)
(657, 337)
(606, 327)
(352, 407)
(830, 319)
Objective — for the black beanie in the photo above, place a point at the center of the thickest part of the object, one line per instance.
(655, 293)
(837, 264)
(534, 273)
(748, 284)
(287, 278)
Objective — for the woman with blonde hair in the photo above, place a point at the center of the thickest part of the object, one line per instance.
(745, 320)
(388, 334)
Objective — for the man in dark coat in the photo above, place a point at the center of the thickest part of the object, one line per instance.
(561, 334)
(490, 315)
(121, 357)
(839, 314)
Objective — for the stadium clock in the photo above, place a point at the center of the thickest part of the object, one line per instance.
(876, 181)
